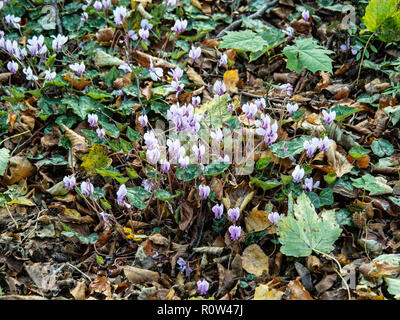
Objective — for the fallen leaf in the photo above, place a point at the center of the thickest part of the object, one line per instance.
(195, 77)
(254, 260)
(79, 291)
(231, 79)
(140, 276)
(257, 220)
(297, 291)
(18, 168)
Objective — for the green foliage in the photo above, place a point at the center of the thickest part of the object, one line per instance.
(343, 112)
(215, 168)
(293, 147)
(265, 185)
(305, 231)
(191, 172)
(4, 157)
(382, 147)
(358, 152)
(375, 185)
(306, 53)
(383, 18)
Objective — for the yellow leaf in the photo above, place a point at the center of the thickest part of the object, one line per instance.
(135, 237)
(22, 201)
(231, 79)
(263, 292)
(96, 159)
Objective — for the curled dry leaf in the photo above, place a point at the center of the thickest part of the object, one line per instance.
(105, 34)
(254, 260)
(195, 77)
(297, 291)
(124, 81)
(79, 84)
(18, 168)
(51, 139)
(78, 142)
(101, 285)
(324, 82)
(140, 276)
(238, 196)
(257, 220)
(79, 292)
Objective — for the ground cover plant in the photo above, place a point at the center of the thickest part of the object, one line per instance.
(200, 149)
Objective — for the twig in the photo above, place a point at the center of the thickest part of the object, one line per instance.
(34, 228)
(14, 136)
(15, 222)
(255, 15)
(81, 272)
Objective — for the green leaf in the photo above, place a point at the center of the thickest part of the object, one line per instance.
(382, 147)
(4, 157)
(326, 197)
(393, 287)
(57, 160)
(245, 40)
(393, 113)
(343, 112)
(358, 152)
(375, 185)
(163, 195)
(292, 147)
(262, 163)
(306, 53)
(95, 159)
(112, 173)
(344, 217)
(314, 199)
(133, 135)
(383, 17)
(395, 200)
(191, 172)
(136, 197)
(296, 116)
(265, 185)
(330, 177)
(215, 168)
(305, 231)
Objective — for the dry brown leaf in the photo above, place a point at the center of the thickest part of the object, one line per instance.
(195, 77)
(51, 139)
(79, 291)
(101, 285)
(231, 79)
(257, 220)
(326, 282)
(124, 81)
(210, 43)
(18, 168)
(324, 82)
(363, 162)
(147, 91)
(5, 76)
(263, 292)
(217, 187)
(337, 161)
(238, 196)
(231, 54)
(140, 276)
(254, 260)
(79, 84)
(297, 291)
(105, 34)
(78, 142)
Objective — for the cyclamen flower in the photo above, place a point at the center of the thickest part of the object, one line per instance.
(165, 165)
(199, 151)
(150, 140)
(231, 106)
(29, 74)
(329, 117)
(92, 119)
(346, 47)
(145, 24)
(270, 132)
(202, 286)
(204, 191)
(36, 46)
(171, 3)
(288, 88)
(311, 147)
(148, 185)
(58, 42)
(174, 148)
(97, 5)
(179, 26)
(274, 217)
(195, 54)
(176, 86)
(224, 159)
(324, 143)
(234, 214)
(219, 87)
(289, 31)
(309, 184)
(12, 66)
(155, 73)
(223, 61)
(87, 189)
(69, 182)
(235, 232)
(292, 108)
(217, 135)
(132, 35)
(144, 34)
(184, 162)
(176, 74)
(298, 174)
(196, 101)
(13, 21)
(218, 210)
(306, 15)
(250, 109)
(101, 133)
(106, 4)
(125, 68)
(121, 193)
(79, 69)
(153, 155)
(106, 219)
(143, 120)
(84, 17)
(260, 103)
(184, 266)
(119, 15)
(49, 75)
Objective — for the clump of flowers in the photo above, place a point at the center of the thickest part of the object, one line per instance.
(266, 129)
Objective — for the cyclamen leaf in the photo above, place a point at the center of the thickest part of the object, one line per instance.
(4, 157)
(382, 147)
(306, 53)
(305, 231)
(375, 185)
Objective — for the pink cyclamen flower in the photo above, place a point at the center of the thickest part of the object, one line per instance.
(171, 3)
(143, 120)
(132, 35)
(306, 15)
(92, 119)
(58, 42)
(176, 74)
(97, 5)
(121, 193)
(119, 15)
(234, 214)
(288, 88)
(184, 162)
(310, 147)
(69, 182)
(84, 17)
(144, 34)
(223, 61)
(292, 108)
(218, 210)
(298, 174)
(235, 232)
(324, 143)
(219, 87)
(179, 26)
(36, 46)
(49, 75)
(106, 4)
(87, 189)
(148, 185)
(176, 86)
(79, 69)
(125, 68)
(101, 133)
(196, 101)
(289, 32)
(346, 47)
(231, 106)
(202, 286)
(155, 73)
(250, 109)
(309, 184)
(165, 165)
(12, 66)
(145, 24)
(195, 54)
(217, 135)
(153, 155)
(204, 191)
(150, 140)
(199, 151)
(260, 103)
(29, 74)
(329, 117)
(274, 217)
(106, 219)
(13, 21)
